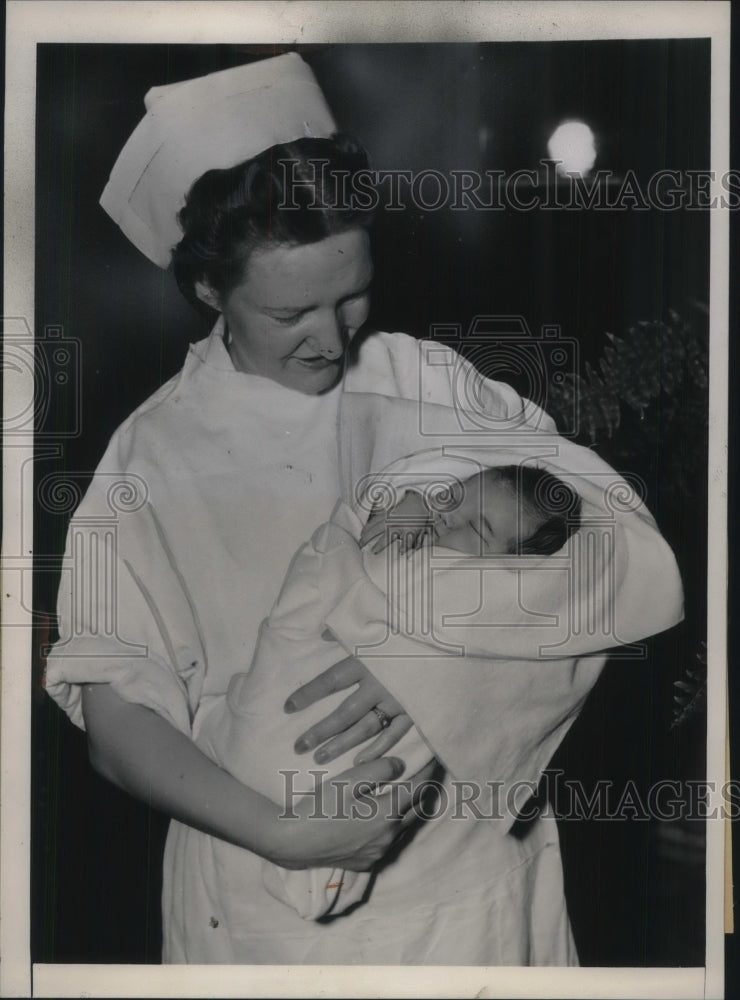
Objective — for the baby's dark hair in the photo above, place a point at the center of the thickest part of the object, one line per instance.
(551, 499)
(291, 194)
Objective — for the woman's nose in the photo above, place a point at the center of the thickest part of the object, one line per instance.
(329, 341)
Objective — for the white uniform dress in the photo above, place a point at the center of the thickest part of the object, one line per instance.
(202, 498)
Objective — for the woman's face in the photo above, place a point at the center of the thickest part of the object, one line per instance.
(298, 307)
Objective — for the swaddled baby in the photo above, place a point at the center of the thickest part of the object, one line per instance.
(502, 510)
(499, 511)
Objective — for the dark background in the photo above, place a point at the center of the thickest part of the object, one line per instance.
(636, 896)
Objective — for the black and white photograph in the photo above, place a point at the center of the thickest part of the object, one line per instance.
(365, 427)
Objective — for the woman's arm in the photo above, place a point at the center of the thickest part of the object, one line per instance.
(140, 752)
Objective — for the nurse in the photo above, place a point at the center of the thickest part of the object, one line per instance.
(228, 468)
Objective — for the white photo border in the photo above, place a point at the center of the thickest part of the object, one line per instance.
(30, 22)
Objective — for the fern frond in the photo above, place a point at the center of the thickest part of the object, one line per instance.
(690, 695)
(651, 361)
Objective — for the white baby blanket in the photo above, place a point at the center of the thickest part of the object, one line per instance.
(446, 633)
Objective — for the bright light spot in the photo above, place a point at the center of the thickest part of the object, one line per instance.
(572, 143)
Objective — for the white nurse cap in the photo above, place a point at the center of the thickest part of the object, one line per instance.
(214, 121)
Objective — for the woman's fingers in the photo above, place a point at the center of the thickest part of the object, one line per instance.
(407, 537)
(363, 777)
(358, 705)
(409, 792)
(352, 722)
(388, 806)
(362, 731)
(341, 675)
(368, 726)
(396, 801)
(358, 783)
(352, 710)
(387, 739)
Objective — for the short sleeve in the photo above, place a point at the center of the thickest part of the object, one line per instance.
(125, 616)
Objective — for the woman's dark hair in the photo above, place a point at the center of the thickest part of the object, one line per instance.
(293, 193)
(549, 498)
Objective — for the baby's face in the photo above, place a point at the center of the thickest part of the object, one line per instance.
(488, 519)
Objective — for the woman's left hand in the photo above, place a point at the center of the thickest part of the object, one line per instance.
(355, 720)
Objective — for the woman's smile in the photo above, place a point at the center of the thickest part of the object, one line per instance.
(319, 364)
